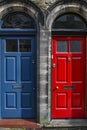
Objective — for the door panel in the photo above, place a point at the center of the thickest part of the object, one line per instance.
(76, 102)
(26, 64)
(77, 69)
(61, 100)
(18, 78)
(10, 100)
(61, 66)
(10, 68)
(28, 103)
(68, 77)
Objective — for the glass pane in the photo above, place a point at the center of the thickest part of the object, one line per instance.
(18, 20)
(62, 46)
(69, 21)
(75, 46)
(11, 46)
(25, 45)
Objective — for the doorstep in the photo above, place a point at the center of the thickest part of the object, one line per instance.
(19, 123)
(68, 123)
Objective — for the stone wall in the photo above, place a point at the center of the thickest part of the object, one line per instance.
(44, 3)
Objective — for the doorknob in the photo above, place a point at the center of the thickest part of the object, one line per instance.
(57, 87)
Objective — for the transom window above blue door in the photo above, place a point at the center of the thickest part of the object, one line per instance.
(17, 20)
(21, 45)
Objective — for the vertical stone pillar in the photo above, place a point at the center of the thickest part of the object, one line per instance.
(43, 91)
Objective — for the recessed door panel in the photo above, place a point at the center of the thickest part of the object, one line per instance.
(10, 100)
(26, 103)
(61, 66)
(26, 69)
(61, 100)
(76, 100)
(10, 69)
(77, 69)
(68, 77)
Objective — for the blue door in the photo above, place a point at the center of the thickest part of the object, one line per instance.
(18, 86)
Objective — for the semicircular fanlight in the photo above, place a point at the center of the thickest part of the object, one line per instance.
(18, 20)
(69, 21)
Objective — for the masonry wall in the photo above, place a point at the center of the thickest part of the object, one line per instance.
(44, 66)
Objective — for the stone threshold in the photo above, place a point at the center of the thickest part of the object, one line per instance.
(19, 123)
(68, 123)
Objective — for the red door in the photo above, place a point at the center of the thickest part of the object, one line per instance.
(68, 77)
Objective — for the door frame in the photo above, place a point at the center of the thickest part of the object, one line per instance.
(50, 70)
(6, 34)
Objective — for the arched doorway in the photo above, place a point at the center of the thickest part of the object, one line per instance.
(68, 67)
(18, 66)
